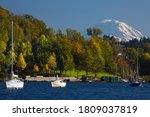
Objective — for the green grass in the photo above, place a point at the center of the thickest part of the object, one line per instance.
(79, 74)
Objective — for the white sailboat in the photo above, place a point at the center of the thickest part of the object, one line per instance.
(58, 83)
(14, 82)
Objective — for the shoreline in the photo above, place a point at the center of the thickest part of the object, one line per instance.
(50, 79)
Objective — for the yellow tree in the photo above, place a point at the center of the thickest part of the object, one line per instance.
(2, 55)
(98, 61)
(51, 61)
(21, 62)
(47, 68)
(36, 68)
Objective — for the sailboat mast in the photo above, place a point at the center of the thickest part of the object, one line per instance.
(12, 49)
(137, 68)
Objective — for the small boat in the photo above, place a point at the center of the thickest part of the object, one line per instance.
(58, 83)
(14, 82)
(135, 84)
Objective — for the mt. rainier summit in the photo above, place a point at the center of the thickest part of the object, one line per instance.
(119, 29)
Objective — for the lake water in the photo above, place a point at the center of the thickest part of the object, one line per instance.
(76, 91)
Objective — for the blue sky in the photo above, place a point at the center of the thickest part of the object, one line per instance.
(81, 14)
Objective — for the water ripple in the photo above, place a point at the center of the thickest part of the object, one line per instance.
(76, 91)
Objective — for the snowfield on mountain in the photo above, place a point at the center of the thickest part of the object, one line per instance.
(119, 30)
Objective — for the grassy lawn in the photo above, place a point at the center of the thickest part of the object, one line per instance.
(79, 74)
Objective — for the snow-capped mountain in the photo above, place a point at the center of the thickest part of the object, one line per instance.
(119, 29)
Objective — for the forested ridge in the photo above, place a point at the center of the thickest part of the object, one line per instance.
(39, 49)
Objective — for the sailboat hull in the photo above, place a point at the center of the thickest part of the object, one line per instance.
(15, 83)
(135, 84)
(57, 84)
